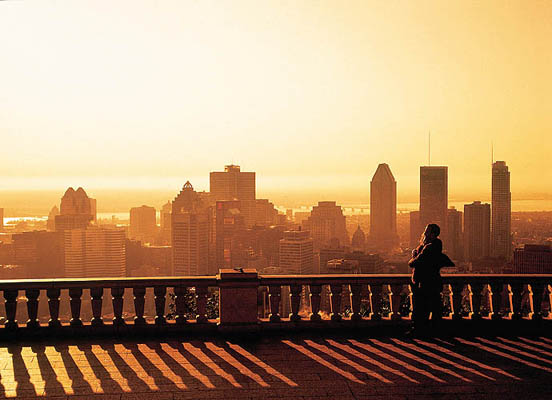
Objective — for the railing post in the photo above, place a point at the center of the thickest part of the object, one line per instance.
(10, 296)
(238, 300)
(456, 306)
(396, 291)
(160, 293)
(180, 304)
(117, 299)
(336, 302)
(496, 299)
(139, 302)
(53, 305)
(537, 289)
(476, 290)
(315, 291)
(517, 297)
(96, 293)
(201, 301)
(274, 295)
(295, 299)
(75, 303)
(356, 299)
(375, 301)
(32, 307)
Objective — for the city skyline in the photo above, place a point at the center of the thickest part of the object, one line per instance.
(358, 85)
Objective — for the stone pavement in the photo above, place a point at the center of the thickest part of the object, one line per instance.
(303, 367)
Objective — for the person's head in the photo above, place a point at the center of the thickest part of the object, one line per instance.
(430, 233)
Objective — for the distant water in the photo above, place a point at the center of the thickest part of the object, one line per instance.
(349, 209)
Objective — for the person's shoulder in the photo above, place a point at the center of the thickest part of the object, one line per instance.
(435, 245)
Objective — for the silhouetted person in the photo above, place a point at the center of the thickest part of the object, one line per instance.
(427, 259)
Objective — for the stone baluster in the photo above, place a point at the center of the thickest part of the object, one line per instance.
(336, 302)
(274, 295)
(395, 301)
(315, 291)
(537, 291)
(409, 301)
(32, 307)
(356, 299)
(456, 304)
(53, 305)
(517, 297)
(375, 301)
(139, 302)
(180, 304)
(75, 295)
(96, 293)
(476, 290)
(295, 298)
(10, 296)
(160, 292)
(117, 301)
(201, 300)
(496, 299)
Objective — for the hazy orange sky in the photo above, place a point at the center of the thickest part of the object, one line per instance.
(309, 94)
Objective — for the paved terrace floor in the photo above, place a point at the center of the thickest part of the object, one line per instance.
(335, 367)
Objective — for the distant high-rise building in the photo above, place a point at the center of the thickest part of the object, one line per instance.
(165, 220)
(415, 229)
(94, 253)
(296, 253)
(453, 240)
(75, 211)
(501, 243)
(1, 219)
(143, 224)
(93, 210)
(40, 253)
(51, 223)
(229, 223)
(265, 213)
(477, 231)
(190, 221)
(383, 209)
(327, 222)
(433, 198)
(533, 259)
(233, 184)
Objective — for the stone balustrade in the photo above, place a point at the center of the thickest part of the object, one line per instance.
(249, 302)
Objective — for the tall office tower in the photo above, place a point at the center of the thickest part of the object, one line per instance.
(433, 198)
(143, 224)
(190, 220)
(40, 253)
(501, 243)
(477, 231)
(265, 213)
(94, 210)
(75, 211)
(533, 259)
(453, 240)
(233, 184)
(415, 229)
(51, 223)
(327, 222)
(383, 209)
(296, 253)
(165, 220)
(94, 253)
(229, 224)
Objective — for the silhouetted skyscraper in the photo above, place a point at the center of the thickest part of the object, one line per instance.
(533, 259)
(434, 197)
(229, 223)
(233, 184)
(325, 223)
(453, 240)
(477, 230)
(165, 220)
(190, 233)
(383, 208)
(143, 224)
(501, 243)
(75, 210)
(51, 223)
(415, 229)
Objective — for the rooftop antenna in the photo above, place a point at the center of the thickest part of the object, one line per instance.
(492, 153)
(429, 149)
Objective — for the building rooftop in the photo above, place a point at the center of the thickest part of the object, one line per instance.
(332, 367)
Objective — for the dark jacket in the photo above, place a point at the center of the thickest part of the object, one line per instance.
(426, 262)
